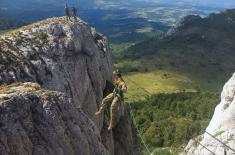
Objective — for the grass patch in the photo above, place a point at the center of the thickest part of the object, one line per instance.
(6, 91)
(42, 36)
(142, 84)
(161, 151)
(201, 49)
(6, 88)
(218, 133)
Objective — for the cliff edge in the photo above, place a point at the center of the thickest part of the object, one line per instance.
(219, 137)
(53, 75)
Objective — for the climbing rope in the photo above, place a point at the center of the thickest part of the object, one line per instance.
(143, 89)
(137, 129)
(220, 141)
(142, 139)
(136, 126)
(133, 118)
(205, 147)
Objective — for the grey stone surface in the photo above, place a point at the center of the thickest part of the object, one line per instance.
(222, 126)
(64, 61)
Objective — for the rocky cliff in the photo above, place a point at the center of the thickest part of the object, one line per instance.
(221, 128)
(53, 75)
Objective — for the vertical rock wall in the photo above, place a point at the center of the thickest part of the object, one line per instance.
(221, 127)
(74, 60)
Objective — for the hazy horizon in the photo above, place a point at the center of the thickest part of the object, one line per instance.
(217, 3)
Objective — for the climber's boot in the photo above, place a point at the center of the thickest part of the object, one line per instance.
(98, 113)
(110, 124)
(110, 127)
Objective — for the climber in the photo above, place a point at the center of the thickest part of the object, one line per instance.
(74, 13)
(104, 44)
(66, 12)
(116, 98)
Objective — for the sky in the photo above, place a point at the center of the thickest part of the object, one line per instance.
(221, 3)
(47, 8)
(91, 3)
(216, 3)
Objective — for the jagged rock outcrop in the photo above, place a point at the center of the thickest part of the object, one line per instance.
(222, 126)
(184, 22)
(63, 74)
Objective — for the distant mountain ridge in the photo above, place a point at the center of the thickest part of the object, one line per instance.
(122, 21)
(221, 3)
(202, 48)
(6, 24)
(189, 26)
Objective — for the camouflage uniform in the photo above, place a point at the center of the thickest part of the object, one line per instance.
(116, 98)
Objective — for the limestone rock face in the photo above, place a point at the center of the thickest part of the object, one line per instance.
(222, 126)
(63, 72)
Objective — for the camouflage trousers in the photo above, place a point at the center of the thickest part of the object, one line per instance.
(115, 101)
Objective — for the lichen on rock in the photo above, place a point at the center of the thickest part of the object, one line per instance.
(53, 76)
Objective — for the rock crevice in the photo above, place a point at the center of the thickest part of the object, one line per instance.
(53, 75)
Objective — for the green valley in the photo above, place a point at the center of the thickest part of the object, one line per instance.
(168, 121)
(142, 84)
(200, 49)
(174, 79)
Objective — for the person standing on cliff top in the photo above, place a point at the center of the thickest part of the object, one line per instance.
(116, 98)
(74, 13)
(66, 12)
